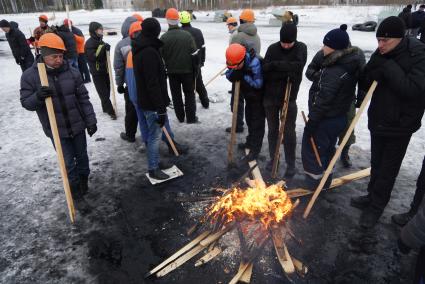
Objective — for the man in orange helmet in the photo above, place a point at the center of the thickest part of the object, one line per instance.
(39, 31)
(232, 26)
(73, 110)
(247, 31)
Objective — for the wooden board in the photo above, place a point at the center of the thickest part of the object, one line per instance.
(209, 256)
(246, 276)
(282, 253)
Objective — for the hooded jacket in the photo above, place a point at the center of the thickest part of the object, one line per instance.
(96, 52)
(248, 37)
(69, 40)
(18, 44)
(334, 82)
(73, 110)
(121, 50)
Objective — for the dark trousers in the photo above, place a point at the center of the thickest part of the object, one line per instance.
(290, 136)
(387, 154)
(130, 116)
(241, 109)
(82, 66)
(420, 267)
(201, 90)
(27, 62)
(103, 88)
(185, 81)
(420, 190)
(255, 120)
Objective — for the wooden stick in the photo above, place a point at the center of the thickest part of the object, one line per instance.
(58, 146)
(339, 150)
(215, 76)
(67, 15)
(282, 251)
(281, 128)
(313, 144)
(180, 261)
(256, 173)
(301, 269)
(209, 256)
(212, 238)
(173, 146)
(246, 276)
(180, 252)
(111, 79)
(234, 120)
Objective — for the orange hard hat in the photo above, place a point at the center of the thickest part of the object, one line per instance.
(135, 27)
(235, 54)
(43, 18)
(51, 40)
(231, 20)
(67, 22)
(172, 14)
(247, 15)
(138, 17)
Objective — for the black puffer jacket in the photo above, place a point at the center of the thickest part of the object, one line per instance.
(397, 105)
(74, 112)
(406, 16)
(152, 93)
(98, 64)
(69, 40)
(199, 40)
(278, 64)
(334, 82)
(18, 43)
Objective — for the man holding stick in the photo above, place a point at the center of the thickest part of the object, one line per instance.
(283, 59)
(395, 111)
(73, 110)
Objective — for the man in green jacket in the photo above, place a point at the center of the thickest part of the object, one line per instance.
(180, 57)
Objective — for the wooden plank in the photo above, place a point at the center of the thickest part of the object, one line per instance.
(234, 121)
(282, 251)
(212, 238)
(209, 256)
(301, 269)
(256, 171)
(180, 261)
(246, 276)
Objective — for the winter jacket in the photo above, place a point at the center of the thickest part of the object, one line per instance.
(334, 82)
(417, 18)
(69, 40)
(413, 234)
(252, 83)
(152, 93)
(232, 35)
(38, 32)
(121, 50)
(406, 16)
(18, 44)
(397, 105)
(178, 50)
(278, 65)
(130, 79)
(199, 41)
(79, 39)
(73, 110)
(248, 37)
(96, 52)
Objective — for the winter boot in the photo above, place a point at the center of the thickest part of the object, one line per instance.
(84, 185)
(345, 158)
(402, 219)
(76, 191)
(360, 202)
(196, 120)
(127, 138)
(243, 146)
(163, 165)
(290, 171)
(369, 217)
(238, 130)
(205, 101)
(158, 174)
(113, 115)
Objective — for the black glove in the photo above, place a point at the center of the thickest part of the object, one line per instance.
(161, 119)
(311, 127)
(45, 92)
(107, 46)
(91, 130)
(121, 89)
(18, 61)
(404, 249)
(237, 75)
(376, 60)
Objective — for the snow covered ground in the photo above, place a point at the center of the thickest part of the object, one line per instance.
(126, 225)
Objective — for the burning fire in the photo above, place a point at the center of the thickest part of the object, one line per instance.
(269, 205)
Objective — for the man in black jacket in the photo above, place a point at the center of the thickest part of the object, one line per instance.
(18, 44)
(152, 94)
(284, 59)
(395, 111)
(95, 50)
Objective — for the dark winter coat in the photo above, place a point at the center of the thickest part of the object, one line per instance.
(278, 65)
(121, 51)
(69, 41)
(413, 234)
(199, 40)
(96, 52)
(417, 18)
(248, 37)
(397, 105)
(406, 16)
(334, 82)
(178, 50)
(18, 44)
(73, 110)
(152, 93)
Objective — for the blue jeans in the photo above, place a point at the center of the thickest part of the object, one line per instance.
(75, 155)
(154, 134)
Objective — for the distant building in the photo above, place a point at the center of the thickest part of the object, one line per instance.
(118, 4)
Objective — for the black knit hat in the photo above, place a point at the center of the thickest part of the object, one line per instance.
(151, 27)
(288, 33)
(337, 38)
(4, 24)
(391, 27)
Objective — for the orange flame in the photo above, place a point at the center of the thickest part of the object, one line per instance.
(269, 205)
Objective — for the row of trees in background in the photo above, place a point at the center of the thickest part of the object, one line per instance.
(25, 6)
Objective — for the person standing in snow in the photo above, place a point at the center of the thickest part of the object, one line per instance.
(232, 26)
(331, 95)
(95, 50)
(68, 38)
(73, 110)
(284, 59)
(82, 60)
(39, 31)
(185, 19)
(245, 67)
(406, 16)
(247, 31)
(417, 18)
(18, 44)
(122, 49)
(395, 111)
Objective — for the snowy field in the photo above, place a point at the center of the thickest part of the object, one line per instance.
(126, 225)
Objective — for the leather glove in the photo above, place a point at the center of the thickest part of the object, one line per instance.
(107, 46)
(91, 130)
(121, 89)
(161, 119)
(45, 92)
(237, 75)
(404, 249)
(311, 127)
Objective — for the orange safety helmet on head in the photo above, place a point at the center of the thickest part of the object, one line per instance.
(43, 18)
(172, 14)
(51, 40)
(247, 15)
(138, 17)
(231, 20)
(134, 27)
(235, 54)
